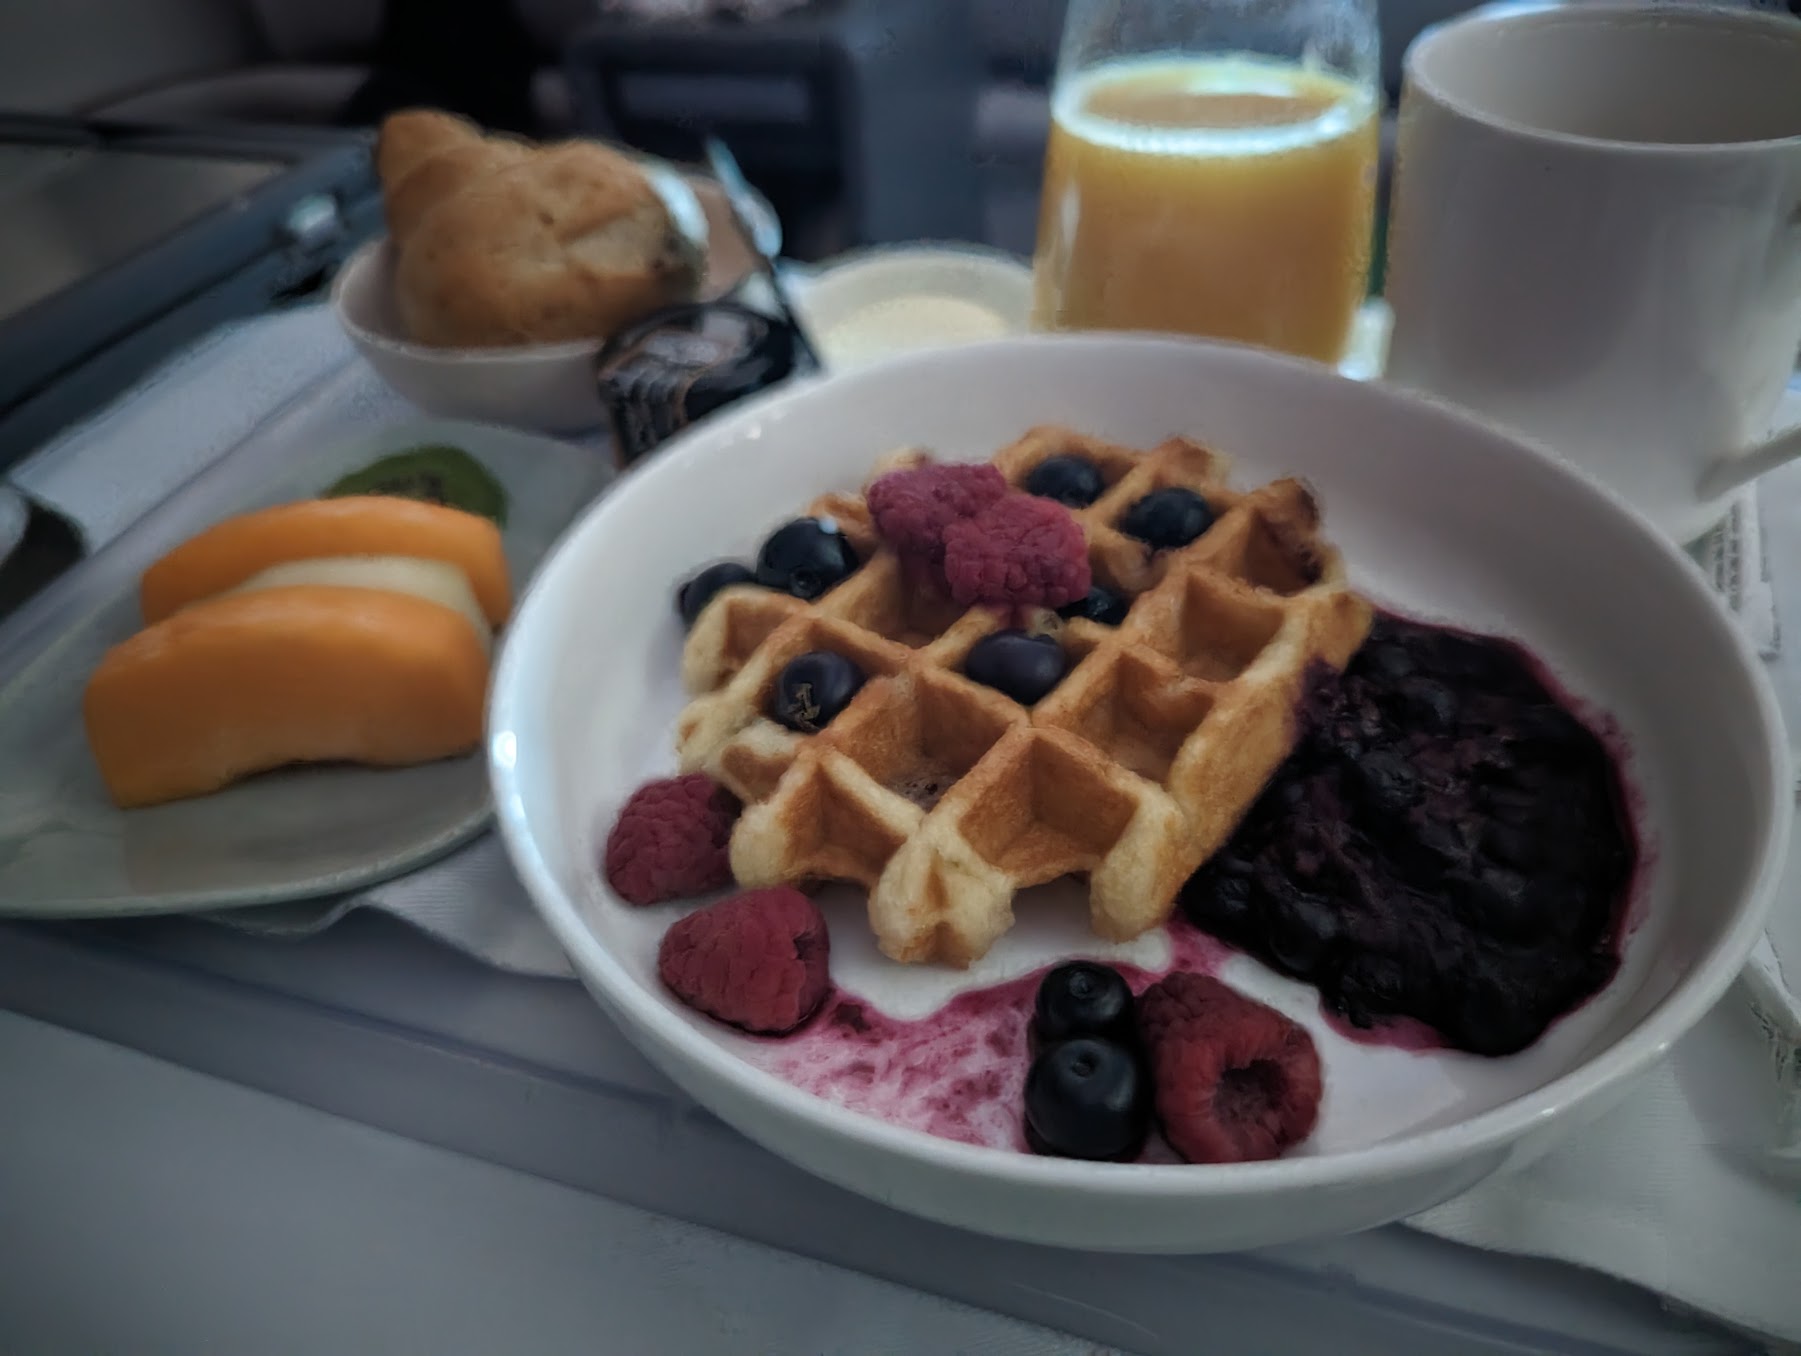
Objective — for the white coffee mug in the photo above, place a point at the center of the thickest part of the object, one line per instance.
(1596, 238)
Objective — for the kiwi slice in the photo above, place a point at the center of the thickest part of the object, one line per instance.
(436, 473)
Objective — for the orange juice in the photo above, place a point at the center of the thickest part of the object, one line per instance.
(1224, 196)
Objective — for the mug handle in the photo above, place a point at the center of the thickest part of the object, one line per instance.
(1736, 468)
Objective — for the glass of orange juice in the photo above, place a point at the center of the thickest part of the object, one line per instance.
(1211, 170)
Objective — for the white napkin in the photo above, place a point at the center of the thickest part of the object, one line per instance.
(473, 901)
(470, 900)
(1734, 558)
(1777, 1012)
(1660, 1191)
(105, 472)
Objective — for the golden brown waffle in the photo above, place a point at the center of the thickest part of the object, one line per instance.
(943, 797)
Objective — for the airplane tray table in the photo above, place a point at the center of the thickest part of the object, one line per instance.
(372, 1021)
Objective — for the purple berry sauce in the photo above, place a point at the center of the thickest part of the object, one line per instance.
(1448, 844)
(959, 1073)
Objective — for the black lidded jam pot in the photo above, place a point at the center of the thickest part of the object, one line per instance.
(685, 362)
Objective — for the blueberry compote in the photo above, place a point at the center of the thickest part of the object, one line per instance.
(1447, 842)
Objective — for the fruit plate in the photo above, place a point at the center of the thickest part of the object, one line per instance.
(66, 851)
(1437, 516)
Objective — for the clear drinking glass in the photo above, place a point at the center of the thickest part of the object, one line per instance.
(1212, 170)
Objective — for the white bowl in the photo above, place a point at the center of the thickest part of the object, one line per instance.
(877, 303)
(548, 388)
(1436, 513)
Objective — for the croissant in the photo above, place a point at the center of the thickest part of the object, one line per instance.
(502, 242)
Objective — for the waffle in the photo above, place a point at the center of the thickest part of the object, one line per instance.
(943, 798)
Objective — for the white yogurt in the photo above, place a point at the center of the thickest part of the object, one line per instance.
(899, 300)
(903, 324)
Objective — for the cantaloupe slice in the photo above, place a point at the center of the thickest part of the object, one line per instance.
(228, 553)
(432, 580)
(245, 682)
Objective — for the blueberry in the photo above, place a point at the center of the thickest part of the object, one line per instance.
(1490, 1010)
(1167, 518)
(1385, 783)
(1217, 899)
(1429, 704)
(1071, 481)
(1510, 845)
(1550, 732)
(1087, 1098)
(805, 558)
(1369, 987)
(1460, 657)
(1557, 797)
(1428, 844)
(1490, 760)
(1590, 917)
(1516, 806)
(1609, 865)
(1081, 998)
(1290, 794)
(698, 591)
(1101, 605)
(1503, 906)
(1023, 666)
(813, 689)
(1558, 908)
(1389, 660)
(1301, 933)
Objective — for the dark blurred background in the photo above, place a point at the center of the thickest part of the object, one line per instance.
(865, 120)
(168, 165)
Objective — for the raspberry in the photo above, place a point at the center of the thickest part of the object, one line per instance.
(1236, 1080)
(1020, 549)
(669, 841)
(912, 508)
(756, 961)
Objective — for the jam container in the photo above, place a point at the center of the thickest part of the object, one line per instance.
(685, 362)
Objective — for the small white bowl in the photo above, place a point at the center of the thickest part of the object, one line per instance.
(547, 388)
(875, 304)
(1435, 513)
